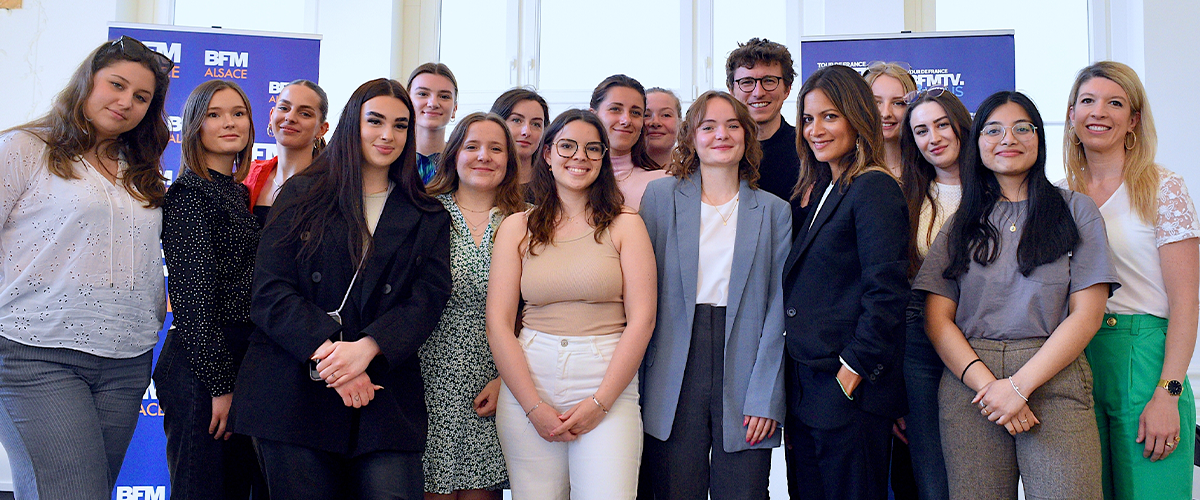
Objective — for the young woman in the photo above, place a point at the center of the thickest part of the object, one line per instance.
(932, 142)
(720, 244)
(568, 416)
(526, 113)
(298, 123)
(82, 281)
(434, 94)
(662, 123)
(351, 278)
(1144, 403)
(477, 183)
(209, 238)
(845, 291)
(620, 102)
(1017, 355)
(890, 82)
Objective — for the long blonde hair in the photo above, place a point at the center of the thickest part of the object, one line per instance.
(1140, 172)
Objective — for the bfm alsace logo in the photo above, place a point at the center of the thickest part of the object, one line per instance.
(216, 59)
(174, 51)
(150, 407)
(141, 493)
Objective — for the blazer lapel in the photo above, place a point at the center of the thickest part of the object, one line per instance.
(749, 225)
(687, 237)
(396, 221)
(821, 217)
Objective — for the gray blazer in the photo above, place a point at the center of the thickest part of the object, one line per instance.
(754, 345)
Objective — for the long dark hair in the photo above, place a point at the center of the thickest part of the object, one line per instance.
(336, 190)
(509, 196)
(639, 155)
(512, 97)
(68, 134)
(918, 174)
(1049, 231)
(604, 198)
(194, 112)
(852, 96)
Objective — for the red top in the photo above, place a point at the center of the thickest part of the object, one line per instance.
(259, 176)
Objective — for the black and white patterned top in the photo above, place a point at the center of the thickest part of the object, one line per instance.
(209, 239)
(462, 451)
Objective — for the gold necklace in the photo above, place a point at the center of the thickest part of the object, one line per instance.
(1013, 227)
(724, 218)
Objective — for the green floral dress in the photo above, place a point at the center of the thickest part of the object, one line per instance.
(462, 452)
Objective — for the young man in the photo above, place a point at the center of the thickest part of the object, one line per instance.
(760, 74)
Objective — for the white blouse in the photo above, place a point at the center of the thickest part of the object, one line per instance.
(1134, 244)
(718, 233)
(82, 267)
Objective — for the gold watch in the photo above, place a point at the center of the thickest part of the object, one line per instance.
(1173, 387)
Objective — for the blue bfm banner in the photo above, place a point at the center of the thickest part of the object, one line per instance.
(972, 65)
(261, 64)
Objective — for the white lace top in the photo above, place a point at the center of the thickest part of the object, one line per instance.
(80, 262)
(1134, 245)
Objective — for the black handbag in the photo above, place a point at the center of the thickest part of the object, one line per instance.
(1196, 458)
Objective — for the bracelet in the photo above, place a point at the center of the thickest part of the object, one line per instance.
(1018, 391)
(962, 378)
(539, 403)
(597, 401)
(848, 396)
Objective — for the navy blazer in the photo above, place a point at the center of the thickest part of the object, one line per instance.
(845, 288)
(753, 376)
(397, 300)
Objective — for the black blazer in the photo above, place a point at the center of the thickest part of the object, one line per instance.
(397, 299)
(845, 291)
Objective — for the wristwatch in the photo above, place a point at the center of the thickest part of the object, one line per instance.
(1173, 387)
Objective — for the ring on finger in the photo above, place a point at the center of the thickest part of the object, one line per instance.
(1170, 445)
(1023, 421)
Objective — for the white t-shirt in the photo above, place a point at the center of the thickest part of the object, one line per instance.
(81, 262)
(718, 233)
(1134, 244)
(373, 206)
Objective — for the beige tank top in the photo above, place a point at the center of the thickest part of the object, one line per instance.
(574, 287)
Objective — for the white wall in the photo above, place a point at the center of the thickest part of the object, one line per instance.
(41, 44)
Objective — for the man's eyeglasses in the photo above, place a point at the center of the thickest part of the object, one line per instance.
(133, 48)
(994, 132)
(769, 83)
(567, 148)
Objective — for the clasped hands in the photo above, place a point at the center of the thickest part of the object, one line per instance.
(343, 366)
(1001, 403)
(586, 415)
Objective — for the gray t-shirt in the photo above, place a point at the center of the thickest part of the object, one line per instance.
(996, 302)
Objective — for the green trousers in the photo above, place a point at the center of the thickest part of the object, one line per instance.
(1127, 359)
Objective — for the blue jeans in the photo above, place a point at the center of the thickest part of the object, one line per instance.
(66, 418)
(922, 376)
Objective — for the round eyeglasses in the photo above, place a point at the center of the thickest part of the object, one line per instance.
(769, 83)
(567, 148)
(994, 132)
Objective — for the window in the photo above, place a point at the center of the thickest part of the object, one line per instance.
(1051, 46)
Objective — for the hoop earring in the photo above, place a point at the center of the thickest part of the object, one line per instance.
(270, 133)
(1074, 137)
(1128, 146)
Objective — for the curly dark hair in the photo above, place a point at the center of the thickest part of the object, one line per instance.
(760, 51)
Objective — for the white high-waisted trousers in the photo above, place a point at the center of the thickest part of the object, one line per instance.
(601, 464)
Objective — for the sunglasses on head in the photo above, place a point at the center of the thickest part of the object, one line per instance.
(131, 47)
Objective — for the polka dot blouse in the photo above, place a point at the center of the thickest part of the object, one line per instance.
(209, 239)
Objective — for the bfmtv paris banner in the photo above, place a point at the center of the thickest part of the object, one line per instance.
(261, 64)
(970, 64)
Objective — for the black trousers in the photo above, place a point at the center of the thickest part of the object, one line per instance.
(692, 462)
(845, 463)
(297, 472)
(201, 467)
